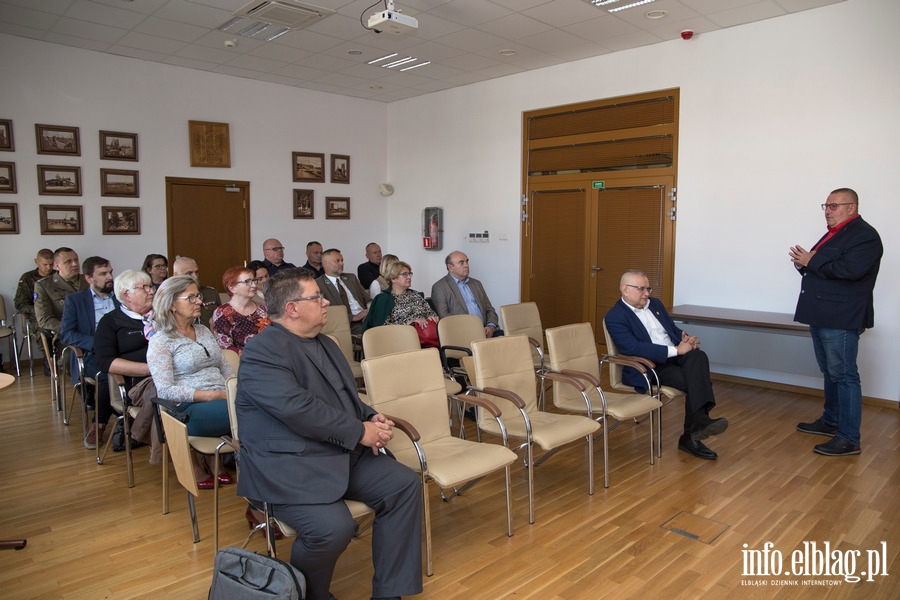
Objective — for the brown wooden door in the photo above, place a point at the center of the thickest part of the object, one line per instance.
(579, 241)
(209, 221)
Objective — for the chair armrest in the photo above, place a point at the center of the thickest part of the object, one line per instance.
(628, 359)
(565, 377)
(505, 394)
(406, 427)
(582, 375)
(483, 403)
(442, 350)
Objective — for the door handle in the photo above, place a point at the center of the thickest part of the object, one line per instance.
(593, 268)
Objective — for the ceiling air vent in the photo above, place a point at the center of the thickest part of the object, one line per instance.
(289, 13)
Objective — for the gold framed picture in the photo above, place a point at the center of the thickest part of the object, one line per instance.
(210, 144)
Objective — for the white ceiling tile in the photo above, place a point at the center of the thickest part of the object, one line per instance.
(325, 62)
(514, 26)
(120, 50)
(800, 5)
(194, 14)
(469, 12)
(171, 29)
(88, 31)
(746, 14)
(256, 63)
(190, 63)
(470, 62)
(56, 7)
(105, 15)
(631, 40)
(147, 7)
(307, 40)
(299, 72)
(236, 72)
(27, 17)
(560, 13)
(151, 43)
(75, 42)
(22, 31)
(206, 54)
(278, 52)
(596, 30)
(470, 40)
(519, 5)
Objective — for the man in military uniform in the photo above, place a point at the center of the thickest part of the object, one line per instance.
(188, 266)
(51, 291)
(24, 300)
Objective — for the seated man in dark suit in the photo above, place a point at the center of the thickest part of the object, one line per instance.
(81, 314)
(273, 256)
(343, 288)
(640, 326)
(308, 442)
(371, 269)
(314, 258)
(459, 294)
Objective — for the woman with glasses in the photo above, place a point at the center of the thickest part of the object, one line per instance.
(400, 304)
(188, 367)
(157, 267)
(242, 317)
(380, 283)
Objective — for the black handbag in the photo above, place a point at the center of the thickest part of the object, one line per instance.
(239, 574)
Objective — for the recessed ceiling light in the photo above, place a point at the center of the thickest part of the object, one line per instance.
(375, 88)
(377, 60)
(630, 5)
(655, 14)
(507, 52)
(354, 52)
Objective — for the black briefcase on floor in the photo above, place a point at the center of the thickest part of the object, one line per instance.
(243, 575)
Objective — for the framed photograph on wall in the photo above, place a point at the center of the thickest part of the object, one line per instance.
(115, 182)
(59, 181)
(9, 218)
(337, 208)
(117, 145)
(210, 144)
(304, 206)
(308, 167)
(57, 139)
(340, 168)
(7, 143)
(121, 220)
(7, 178)
(61, 220)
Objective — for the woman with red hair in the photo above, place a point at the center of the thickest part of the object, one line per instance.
(242, 317)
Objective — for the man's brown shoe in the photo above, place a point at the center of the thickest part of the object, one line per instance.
(94, 436)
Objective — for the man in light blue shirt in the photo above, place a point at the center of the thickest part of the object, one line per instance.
(459, 294)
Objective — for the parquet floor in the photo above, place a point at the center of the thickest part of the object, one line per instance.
(91, 537)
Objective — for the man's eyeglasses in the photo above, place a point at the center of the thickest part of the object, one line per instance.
(406, 274)
(640, 288)
(249, 282)
(146, 287)
(276, 248)
(192, 298)
(834, 205)
(318, 297)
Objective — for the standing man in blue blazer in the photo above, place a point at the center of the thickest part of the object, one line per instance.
(81, 313)
(836, 302)
(640, 326)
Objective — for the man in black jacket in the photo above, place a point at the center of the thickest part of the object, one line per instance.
(836, 302)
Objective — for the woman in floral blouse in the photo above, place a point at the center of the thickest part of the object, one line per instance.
(242, 317)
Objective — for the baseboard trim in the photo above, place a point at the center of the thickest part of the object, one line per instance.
(797, 389)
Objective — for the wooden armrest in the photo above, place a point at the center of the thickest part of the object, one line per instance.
(406, 427)
(76, 350)
(505, 394)
(534, 342)
(582, 375)
(483, 403)
(565, 377)
(635, 362)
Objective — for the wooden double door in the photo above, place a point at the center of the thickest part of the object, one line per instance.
(577, 242)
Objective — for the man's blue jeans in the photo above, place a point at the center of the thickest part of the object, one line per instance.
(836, 351)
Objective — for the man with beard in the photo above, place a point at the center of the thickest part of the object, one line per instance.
(80, 316)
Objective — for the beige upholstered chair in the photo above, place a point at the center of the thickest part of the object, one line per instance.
(525, 319)
(233, 358)
(456, 334)
(503, 367)
(573, 352)
(207, 446)
(663, 393)
(338, 326)
(82, 380)
(391, 339)
(8, 331)
(409, 389)
(126, 413)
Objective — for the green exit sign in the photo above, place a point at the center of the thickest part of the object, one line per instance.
(598, 185)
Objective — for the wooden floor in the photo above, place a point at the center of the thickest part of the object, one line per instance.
(91, 537)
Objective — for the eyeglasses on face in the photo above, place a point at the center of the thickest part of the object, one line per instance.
(406, 274)
(640, 288)
(146, 287)
(318, 297)
(159, 266)
(276, 248)
(834, 205)
(248, 282)
(192, 298)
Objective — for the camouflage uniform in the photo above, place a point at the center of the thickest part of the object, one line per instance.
(50, 299)
(24, 302)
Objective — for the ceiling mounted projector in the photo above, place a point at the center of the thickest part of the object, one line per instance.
(391, 21)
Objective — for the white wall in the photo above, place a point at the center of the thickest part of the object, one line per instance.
(773, 116)
(51, 84)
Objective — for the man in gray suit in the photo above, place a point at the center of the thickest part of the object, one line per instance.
(343, 288)
(308, 442)
(459, 294)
